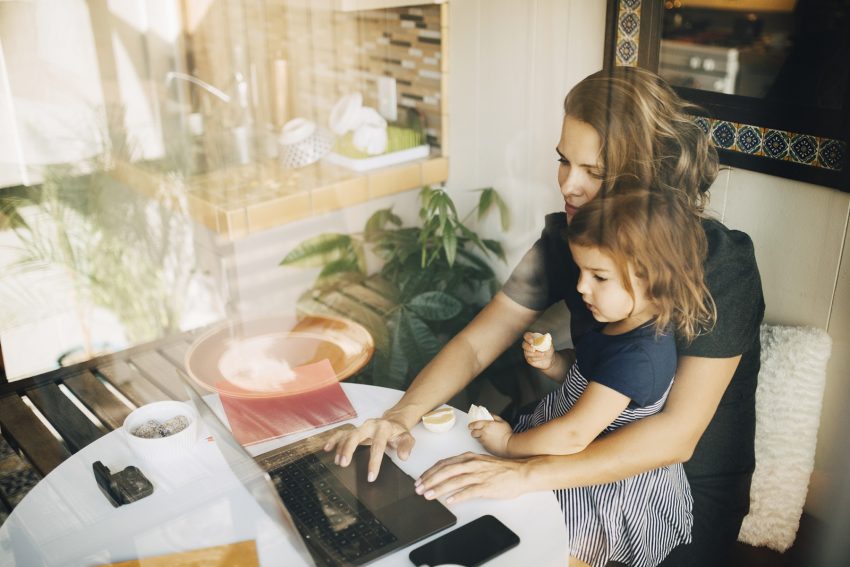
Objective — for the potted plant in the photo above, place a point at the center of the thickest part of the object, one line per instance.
(432, 280)
(100, 244)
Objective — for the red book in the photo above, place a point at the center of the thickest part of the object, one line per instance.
(319, 400)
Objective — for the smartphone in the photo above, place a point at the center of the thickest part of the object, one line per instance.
(471, 544)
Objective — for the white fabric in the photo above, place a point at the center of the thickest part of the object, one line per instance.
(788, 405)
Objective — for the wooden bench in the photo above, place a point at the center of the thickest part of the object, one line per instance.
(80, 403)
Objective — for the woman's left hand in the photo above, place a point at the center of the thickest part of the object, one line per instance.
(470, 475)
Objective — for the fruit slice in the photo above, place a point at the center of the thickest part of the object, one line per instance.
(479, 413)
(541, 342)
(440, 420)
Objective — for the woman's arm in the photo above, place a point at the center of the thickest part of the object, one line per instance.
(667, 437)
(570, 433)
(492, 331)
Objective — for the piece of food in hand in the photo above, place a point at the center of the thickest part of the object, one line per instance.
(541, 342)
(479, 413)
(440, 420)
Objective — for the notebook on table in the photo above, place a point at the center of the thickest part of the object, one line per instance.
(332, 515)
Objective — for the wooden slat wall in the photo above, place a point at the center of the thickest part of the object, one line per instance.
(161, 372)
(176, 353)
(131, 383)
(39, 445)
(73, 425)
(98, 399)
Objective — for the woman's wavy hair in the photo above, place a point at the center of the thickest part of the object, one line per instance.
(660, 235)
(649, 140)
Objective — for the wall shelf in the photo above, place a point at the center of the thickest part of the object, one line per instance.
(241, 201)
(356, 5)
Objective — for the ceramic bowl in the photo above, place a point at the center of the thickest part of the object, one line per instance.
(159, 448)
(302, 142)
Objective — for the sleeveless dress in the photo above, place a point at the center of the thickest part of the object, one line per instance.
(638, 520)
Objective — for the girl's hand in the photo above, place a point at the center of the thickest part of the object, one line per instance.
(542, 360)
(493, 435)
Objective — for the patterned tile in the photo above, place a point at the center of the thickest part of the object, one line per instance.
(832, 154)
(723, 134)
(803, 148)
(627, 52)
(629, 23)
(628, 32)
(748, 139)
(776, 143)
(704, 123)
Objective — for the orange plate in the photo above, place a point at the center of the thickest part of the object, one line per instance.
(249, 358)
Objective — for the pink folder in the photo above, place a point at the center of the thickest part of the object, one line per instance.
(319, 401)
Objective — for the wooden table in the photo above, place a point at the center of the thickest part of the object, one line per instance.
(108, 387)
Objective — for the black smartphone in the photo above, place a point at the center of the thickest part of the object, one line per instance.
(471, 544)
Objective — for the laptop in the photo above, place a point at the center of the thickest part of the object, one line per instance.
(332, 515)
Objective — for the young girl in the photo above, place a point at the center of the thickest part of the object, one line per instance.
(640, 257)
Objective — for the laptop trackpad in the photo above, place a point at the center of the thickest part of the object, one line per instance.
(391, 485)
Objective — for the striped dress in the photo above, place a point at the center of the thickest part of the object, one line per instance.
(636, 521)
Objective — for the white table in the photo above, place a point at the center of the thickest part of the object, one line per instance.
(198, 502)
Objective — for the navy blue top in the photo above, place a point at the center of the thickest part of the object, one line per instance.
(637, 363)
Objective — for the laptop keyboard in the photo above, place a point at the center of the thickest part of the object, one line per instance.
(327, 512)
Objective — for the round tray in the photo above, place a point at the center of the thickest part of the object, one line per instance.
(255, 358)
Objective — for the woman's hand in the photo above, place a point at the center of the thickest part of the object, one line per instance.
(493, 435)
(469, 476)
(379, 433)
(542, 360)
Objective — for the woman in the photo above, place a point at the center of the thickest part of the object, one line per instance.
(624, 129)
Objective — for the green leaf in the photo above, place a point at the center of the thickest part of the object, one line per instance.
(450, 246)
(504, 213)
(419, 342)
(378, 222)
(318, 251)
(397, 368)
(483, 266)
(490, 197)
(495, 247)
(485, 201)
(359, 255)
(435, 306)
(346, 264)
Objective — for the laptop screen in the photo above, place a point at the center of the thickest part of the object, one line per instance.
(255, 480)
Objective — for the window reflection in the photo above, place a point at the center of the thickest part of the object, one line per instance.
(785, 50)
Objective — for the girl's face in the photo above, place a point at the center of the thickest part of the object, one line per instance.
(602, 289)
(579, 171)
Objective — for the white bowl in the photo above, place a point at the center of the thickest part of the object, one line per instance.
(303, 143)
(161, 448)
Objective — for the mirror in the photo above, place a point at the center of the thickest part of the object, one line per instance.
(772, 75)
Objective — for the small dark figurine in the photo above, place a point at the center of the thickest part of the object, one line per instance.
(122, 487)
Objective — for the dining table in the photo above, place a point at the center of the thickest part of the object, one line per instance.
(199, 502)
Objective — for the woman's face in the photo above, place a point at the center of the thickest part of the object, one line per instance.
(580, 170)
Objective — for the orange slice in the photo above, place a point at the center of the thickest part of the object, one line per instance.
(541, 342)
(440, 420)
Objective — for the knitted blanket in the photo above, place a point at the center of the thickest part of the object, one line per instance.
(788, 406)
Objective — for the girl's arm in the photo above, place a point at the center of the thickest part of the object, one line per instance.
(655, 441)
(595, 410)
(553, 364)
